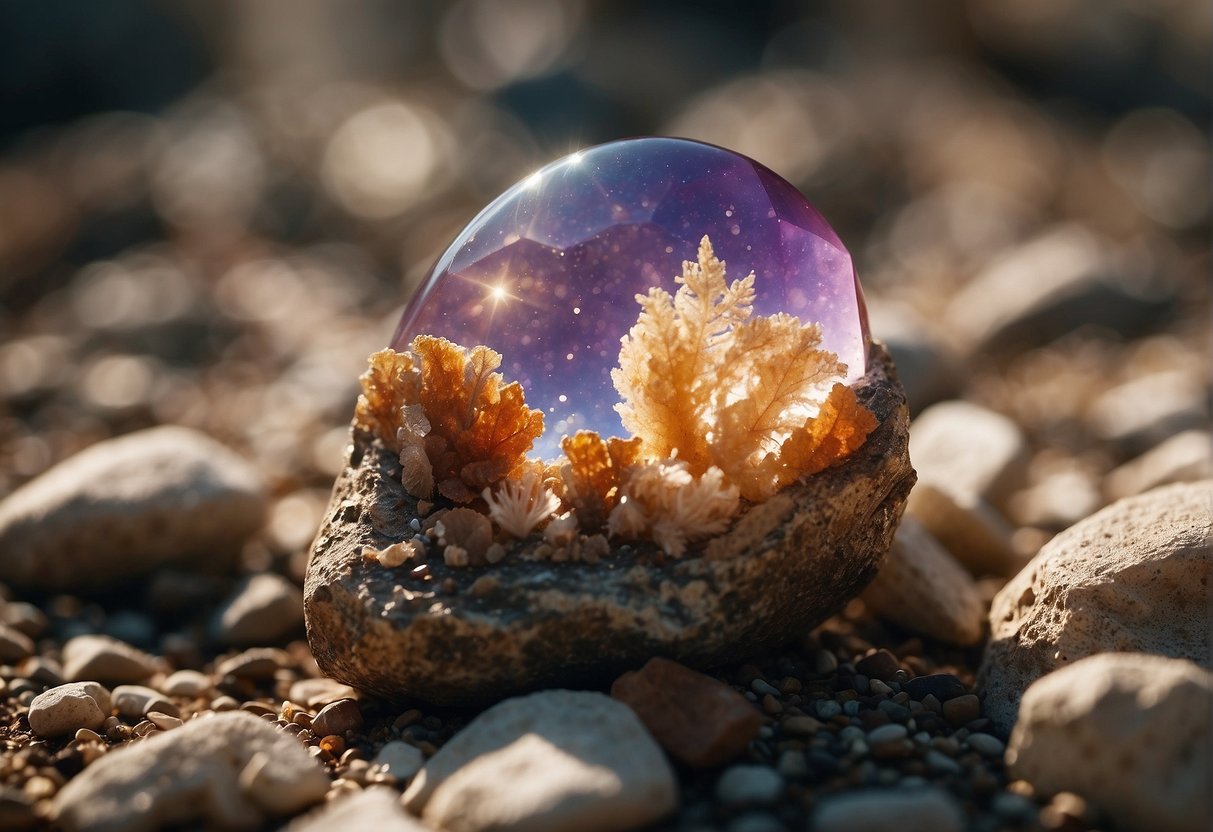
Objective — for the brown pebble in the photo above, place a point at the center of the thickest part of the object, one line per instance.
(874, 719)
(771, 705)
(962, 710)
(259, 709)
(337, 718)
(406, 719)
(697, 719)
(163, 721)
(880, 665)
(39, 788)
(333, 744)
(86, 735)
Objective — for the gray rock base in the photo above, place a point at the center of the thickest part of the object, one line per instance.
(521, 625)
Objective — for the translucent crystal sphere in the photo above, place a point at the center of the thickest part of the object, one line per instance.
(547, 275)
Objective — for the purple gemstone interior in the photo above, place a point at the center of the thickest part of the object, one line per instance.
(548, 273)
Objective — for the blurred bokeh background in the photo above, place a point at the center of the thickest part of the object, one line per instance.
(211, 212)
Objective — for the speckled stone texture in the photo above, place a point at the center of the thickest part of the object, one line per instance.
(1133, 577)
(518, 626)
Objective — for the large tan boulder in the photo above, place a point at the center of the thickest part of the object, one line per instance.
(1128, 732)
(1133, 577)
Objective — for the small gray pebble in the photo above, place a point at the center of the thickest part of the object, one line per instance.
(763, 688)
(749, 784)
(941, 763)
(986, 745)
(887, 733)
(878, 687)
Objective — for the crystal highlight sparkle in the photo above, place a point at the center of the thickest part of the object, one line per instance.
(548, 273)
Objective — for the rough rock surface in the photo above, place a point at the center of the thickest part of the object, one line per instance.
(521, 625)
(554, 760)
(125, 506)
(230, 771)
(922, 588)
(1132, 578)
(698, 719)
(66, 708)
(1126, 731)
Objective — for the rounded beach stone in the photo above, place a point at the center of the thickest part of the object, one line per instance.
(107, 660)
(135, 702)
(229, 771)
(970, 448)
(878, 810)
(555, 760)
(1133, 577)
(519, 625)
(263, 609)
(67, 708)
(922, 588)
(126, 506)
(1126, 731)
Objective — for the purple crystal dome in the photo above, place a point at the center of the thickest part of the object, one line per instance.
(548, 273)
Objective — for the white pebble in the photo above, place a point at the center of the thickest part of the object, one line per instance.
(66, 708)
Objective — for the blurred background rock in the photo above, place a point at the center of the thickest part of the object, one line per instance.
(212, 212)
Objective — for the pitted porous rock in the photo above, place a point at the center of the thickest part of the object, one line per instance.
(1128, 732)
(1131, 578)
(392, 632)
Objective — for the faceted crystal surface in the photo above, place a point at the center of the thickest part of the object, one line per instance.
(548, 273)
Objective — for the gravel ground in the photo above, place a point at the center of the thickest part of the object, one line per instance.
(1029, 217)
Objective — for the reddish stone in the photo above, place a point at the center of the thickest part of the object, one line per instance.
(698, 720)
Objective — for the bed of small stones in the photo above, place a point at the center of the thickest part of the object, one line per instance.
(840, 714)
(1029, 216)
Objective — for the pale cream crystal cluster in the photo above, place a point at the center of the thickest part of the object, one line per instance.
(724, 406)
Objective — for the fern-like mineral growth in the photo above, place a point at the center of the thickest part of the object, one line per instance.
(457, 427)
(705, 380)
(724, 406)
